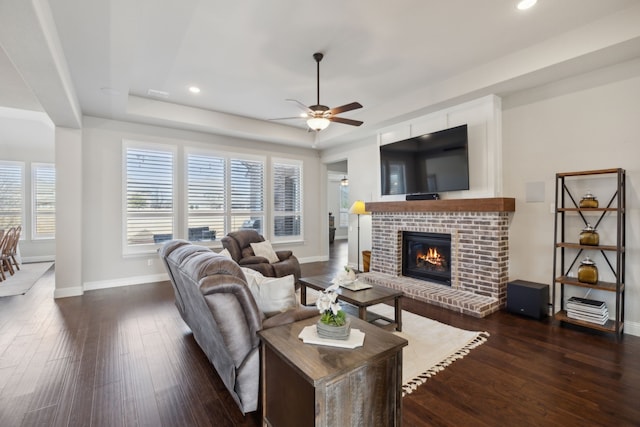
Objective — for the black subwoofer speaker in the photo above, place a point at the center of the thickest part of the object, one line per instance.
(528, 298)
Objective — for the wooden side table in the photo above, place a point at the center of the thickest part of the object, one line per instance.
(314, 385)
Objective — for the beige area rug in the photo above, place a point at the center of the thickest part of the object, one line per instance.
(432, 346)
(23, 280)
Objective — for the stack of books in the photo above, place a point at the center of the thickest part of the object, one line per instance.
(588, 310)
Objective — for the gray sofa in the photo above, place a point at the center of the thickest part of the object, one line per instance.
(214, 300)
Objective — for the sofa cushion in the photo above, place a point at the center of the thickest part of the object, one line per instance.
(273, 295)
(264, 249)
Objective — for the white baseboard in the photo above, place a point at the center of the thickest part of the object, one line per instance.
(72, 291)
(44, 258)
(127, 281)
(320, 258)
(632, 328)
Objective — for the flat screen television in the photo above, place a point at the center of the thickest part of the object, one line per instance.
(430, 163)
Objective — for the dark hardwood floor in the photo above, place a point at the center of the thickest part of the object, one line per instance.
(123, 357)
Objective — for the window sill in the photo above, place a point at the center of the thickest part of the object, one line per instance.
(287, 242)
(152, 249)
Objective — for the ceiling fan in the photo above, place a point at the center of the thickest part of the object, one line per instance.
(320, 116)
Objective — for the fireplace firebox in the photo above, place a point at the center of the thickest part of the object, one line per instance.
(427, 256)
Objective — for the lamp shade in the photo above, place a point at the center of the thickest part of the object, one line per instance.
(358, 208)
(318, 123)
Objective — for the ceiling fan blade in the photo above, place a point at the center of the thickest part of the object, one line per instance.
(287, 118)
(346, 107)
(345, 121)
(301, 105)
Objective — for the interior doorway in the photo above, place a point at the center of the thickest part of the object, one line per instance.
(338, 201)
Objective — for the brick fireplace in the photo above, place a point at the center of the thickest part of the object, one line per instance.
(479, 230)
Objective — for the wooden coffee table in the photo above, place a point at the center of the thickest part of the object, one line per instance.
(359, 299)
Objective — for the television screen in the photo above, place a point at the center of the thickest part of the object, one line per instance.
(430, 163)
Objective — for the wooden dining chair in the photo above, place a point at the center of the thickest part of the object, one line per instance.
(2, 276)
(5, 258)
(13, 247)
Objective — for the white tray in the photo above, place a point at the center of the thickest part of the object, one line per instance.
(356, 285)
(309, 335)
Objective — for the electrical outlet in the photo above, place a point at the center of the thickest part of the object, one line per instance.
(149, 262)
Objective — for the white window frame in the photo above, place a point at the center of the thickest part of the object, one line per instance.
(35, 167)
(150, 247)
(273, 213)
(21, 166)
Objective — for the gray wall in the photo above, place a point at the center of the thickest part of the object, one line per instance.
(103, 263)
(584, 123)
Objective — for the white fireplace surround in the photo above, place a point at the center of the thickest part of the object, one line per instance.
(479, 250)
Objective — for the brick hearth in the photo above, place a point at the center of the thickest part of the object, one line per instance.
(479, 231)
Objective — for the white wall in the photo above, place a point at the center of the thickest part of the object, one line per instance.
(28, 137)
(585, 123)
(103, 263)
(482, 117)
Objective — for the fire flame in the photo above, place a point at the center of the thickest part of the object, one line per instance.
(432, 257)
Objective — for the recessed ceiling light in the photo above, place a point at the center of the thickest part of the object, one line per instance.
(194, 89)
(526, 4)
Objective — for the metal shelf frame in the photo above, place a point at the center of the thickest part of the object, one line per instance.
(562, 262)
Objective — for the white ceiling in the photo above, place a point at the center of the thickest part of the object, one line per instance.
(398, 59)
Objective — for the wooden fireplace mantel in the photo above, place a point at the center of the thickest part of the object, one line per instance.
(489, 204)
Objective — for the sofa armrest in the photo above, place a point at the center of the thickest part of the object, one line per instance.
(284, 255)
(290, 316)
(253, 260)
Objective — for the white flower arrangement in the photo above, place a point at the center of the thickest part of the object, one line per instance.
(329, 307)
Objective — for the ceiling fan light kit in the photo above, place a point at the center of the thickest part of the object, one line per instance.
(318, 123)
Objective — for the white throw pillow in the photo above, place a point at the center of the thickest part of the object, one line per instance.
(225, 252)
(264, 249)
(272, 294)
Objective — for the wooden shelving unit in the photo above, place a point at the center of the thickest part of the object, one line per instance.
(566, 253)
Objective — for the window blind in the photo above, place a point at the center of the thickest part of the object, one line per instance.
(149, 195)
(11, 194)
(206, 191)
(287, 199)
(44, 201)
(247, 194)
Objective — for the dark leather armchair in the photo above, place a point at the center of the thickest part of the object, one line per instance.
(238, 243)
